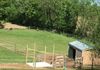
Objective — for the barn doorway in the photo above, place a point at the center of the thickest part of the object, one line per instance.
(74, 53)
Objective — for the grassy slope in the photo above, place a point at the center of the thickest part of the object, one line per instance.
(20, 38)
(7, 56)
(23, 37)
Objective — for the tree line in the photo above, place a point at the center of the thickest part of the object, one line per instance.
(58, 15)
(79, 17)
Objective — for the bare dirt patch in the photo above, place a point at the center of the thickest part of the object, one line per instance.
(15, 66)
(9, 25)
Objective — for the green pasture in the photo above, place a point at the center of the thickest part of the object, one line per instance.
(7, 56)
(19, 39)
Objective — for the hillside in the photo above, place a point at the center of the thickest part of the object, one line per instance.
(21, 38)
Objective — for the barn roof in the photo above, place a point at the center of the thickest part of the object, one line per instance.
(79, 45)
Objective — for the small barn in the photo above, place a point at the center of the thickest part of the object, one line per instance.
(80, 52)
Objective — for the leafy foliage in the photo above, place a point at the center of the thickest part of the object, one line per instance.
(81, 17)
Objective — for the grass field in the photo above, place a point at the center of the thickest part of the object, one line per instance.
(7, 56)
(20, 39)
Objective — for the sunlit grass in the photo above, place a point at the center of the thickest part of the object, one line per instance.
(19, 39)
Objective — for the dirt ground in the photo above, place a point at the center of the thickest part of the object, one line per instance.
(20, 67)
(16, 66)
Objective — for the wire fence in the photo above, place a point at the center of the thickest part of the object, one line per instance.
(11, 56)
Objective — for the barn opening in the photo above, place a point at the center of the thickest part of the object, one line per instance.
(74, 53)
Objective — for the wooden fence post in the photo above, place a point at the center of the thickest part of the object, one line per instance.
(34, 59)
(53, 55)
(27, 53)
(45, 53)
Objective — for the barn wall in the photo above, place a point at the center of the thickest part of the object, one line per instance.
(96, 61)
(78, 53)
(87, 58)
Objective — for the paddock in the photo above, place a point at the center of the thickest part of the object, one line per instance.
(44, 59)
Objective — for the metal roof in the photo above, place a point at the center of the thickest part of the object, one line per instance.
(79, 45)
